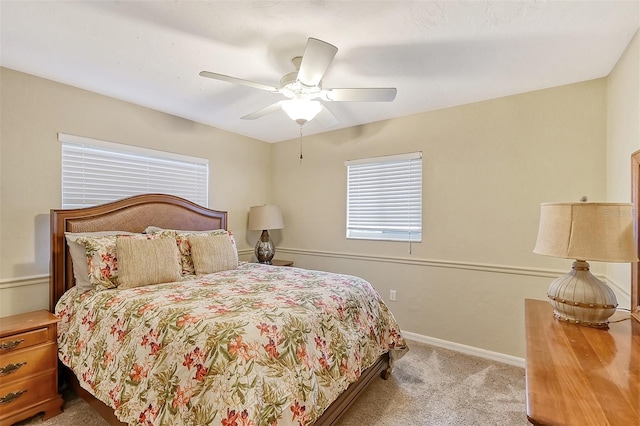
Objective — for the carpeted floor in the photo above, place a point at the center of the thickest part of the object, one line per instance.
(438, 387)
(429, 386)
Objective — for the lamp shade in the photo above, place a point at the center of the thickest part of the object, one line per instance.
(301, 109)
(265, 217)
(587, 231)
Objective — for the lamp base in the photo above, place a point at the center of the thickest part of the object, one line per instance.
(580, 298)
(265, 250)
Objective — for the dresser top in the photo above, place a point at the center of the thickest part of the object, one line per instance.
(578, 375)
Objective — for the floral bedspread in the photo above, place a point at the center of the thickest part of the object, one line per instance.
(258, 345)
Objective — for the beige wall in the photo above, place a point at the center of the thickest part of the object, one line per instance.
(623, 136)
(487, 167)
(34, 110)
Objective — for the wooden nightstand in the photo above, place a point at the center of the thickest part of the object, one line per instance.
(28, 367)
(278, 262)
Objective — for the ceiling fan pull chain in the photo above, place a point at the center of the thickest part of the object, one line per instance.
(301, 144)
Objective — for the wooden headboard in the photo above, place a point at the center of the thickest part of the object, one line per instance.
(132, 214)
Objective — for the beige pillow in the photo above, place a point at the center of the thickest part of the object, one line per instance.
(212, 253)
(143, 262)
(182, 238)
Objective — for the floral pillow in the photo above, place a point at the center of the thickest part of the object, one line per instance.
(78, 254)
(184, 246)
(102, 258)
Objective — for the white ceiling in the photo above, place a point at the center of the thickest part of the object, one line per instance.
(437, 53)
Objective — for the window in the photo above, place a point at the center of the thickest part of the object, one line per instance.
(96, 172)
(384, 198)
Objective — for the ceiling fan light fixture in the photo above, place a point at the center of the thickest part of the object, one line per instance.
(304, 85)
(301, 110)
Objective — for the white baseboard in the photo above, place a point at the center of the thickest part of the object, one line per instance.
(465, 349)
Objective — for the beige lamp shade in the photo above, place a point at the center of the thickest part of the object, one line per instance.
(265, 217)
(584, 232)
(587, 231)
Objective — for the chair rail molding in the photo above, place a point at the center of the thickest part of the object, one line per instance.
(24, 281)
(434, 263)
(24, 294)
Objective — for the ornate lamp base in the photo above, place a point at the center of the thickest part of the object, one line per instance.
(265, 250)
(581, 298)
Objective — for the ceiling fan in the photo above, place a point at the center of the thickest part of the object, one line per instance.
(303, 88)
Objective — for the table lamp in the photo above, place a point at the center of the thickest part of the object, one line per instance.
(264, 218)
(585, 232)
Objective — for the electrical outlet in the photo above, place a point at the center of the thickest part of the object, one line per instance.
(392, 295)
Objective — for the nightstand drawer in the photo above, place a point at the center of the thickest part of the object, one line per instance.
(22, 393)
(18, 364)
(23, 340)
(28, 366)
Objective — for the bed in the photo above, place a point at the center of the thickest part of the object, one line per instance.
(245, 345)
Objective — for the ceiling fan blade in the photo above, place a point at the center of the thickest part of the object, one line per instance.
(326, 118)
(316, 59)
(240, 81)
(382, 94)
(262, 112)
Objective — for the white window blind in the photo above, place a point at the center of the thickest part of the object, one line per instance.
(384, 198)
(96, 172)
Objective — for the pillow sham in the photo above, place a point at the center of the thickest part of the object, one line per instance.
(182, 239)
(144, 262)
(212, 253)
(102, 259)
(79, 258)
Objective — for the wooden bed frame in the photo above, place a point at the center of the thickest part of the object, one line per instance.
(134, 214)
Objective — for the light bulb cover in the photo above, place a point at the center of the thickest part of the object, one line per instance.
(301, 109)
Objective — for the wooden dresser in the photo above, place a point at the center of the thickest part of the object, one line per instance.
(28, 367)
(579, 375)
